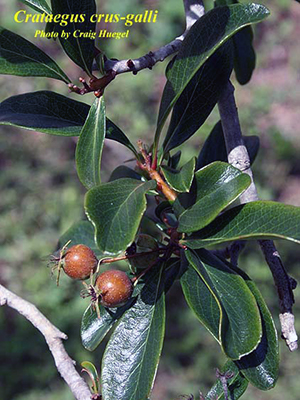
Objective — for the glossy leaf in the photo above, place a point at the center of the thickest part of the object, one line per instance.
(199, 97)
(90, 145)
(131, 357)
(261, 367)
(79, 49)
(203, 39)
(240, 327)
(52, 113)
(237, 384)
(201, 301)
(214, 148)
(94, 329)
(218, 185)
(81, 232)
(20, 57)
(38, 5)
(255, 220)
(244, 55)
(116, 209)
(44, 111)
(180, 180)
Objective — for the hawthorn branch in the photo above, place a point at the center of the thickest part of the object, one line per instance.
(194, 9)
(238, 156)
(53, 337)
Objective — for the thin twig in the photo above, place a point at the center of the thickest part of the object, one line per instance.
(193, 11)
(53, 337)
(239, 157)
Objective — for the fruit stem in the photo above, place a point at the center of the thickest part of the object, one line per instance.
(129, 256)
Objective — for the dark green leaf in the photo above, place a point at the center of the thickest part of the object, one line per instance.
(201, 301)
(255, 220)
(38, 5)
(214, 148)
(81, 232)
(244, 55)
(44, 111)
(52, 113)
(199, 97)
(131, 357)
(237, 384)
(172, 273)
(113, 132)
(218, 185)
(174, 160)
(180, 180)
(240, 324)
(79, 49)
(90, 145)
(122, 171)
(116, 209)
(261, 367)
(20, 57)
(203, 39)
(94, 329)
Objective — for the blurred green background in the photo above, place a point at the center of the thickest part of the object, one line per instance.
(41, 197)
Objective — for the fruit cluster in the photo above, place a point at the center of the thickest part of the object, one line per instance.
(112, 288)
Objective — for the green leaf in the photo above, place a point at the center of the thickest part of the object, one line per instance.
(203, 39)
(240, 327)
(261, 367)
(93, 374)
(81, 232)
(180, 180)
(20, 57)
(237, 384)
(199, 97)
(44, 111)
(52, 113)
(116, 209)
(201, 301)
(38, 5)
(90, 145)
(255, 220)
(94, 329)
(79, 49)
(244, 55)
(174, 160)
(122, 171)
(214, 148)
(218, 185)
(131, 357)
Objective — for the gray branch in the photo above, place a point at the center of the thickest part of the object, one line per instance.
(238, 156)
(193, 11)
(53, 337)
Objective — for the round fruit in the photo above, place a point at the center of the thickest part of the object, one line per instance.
(114, 287)
(79, 262)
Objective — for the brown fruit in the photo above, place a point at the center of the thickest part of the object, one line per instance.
(79, 261)
(114, 287)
